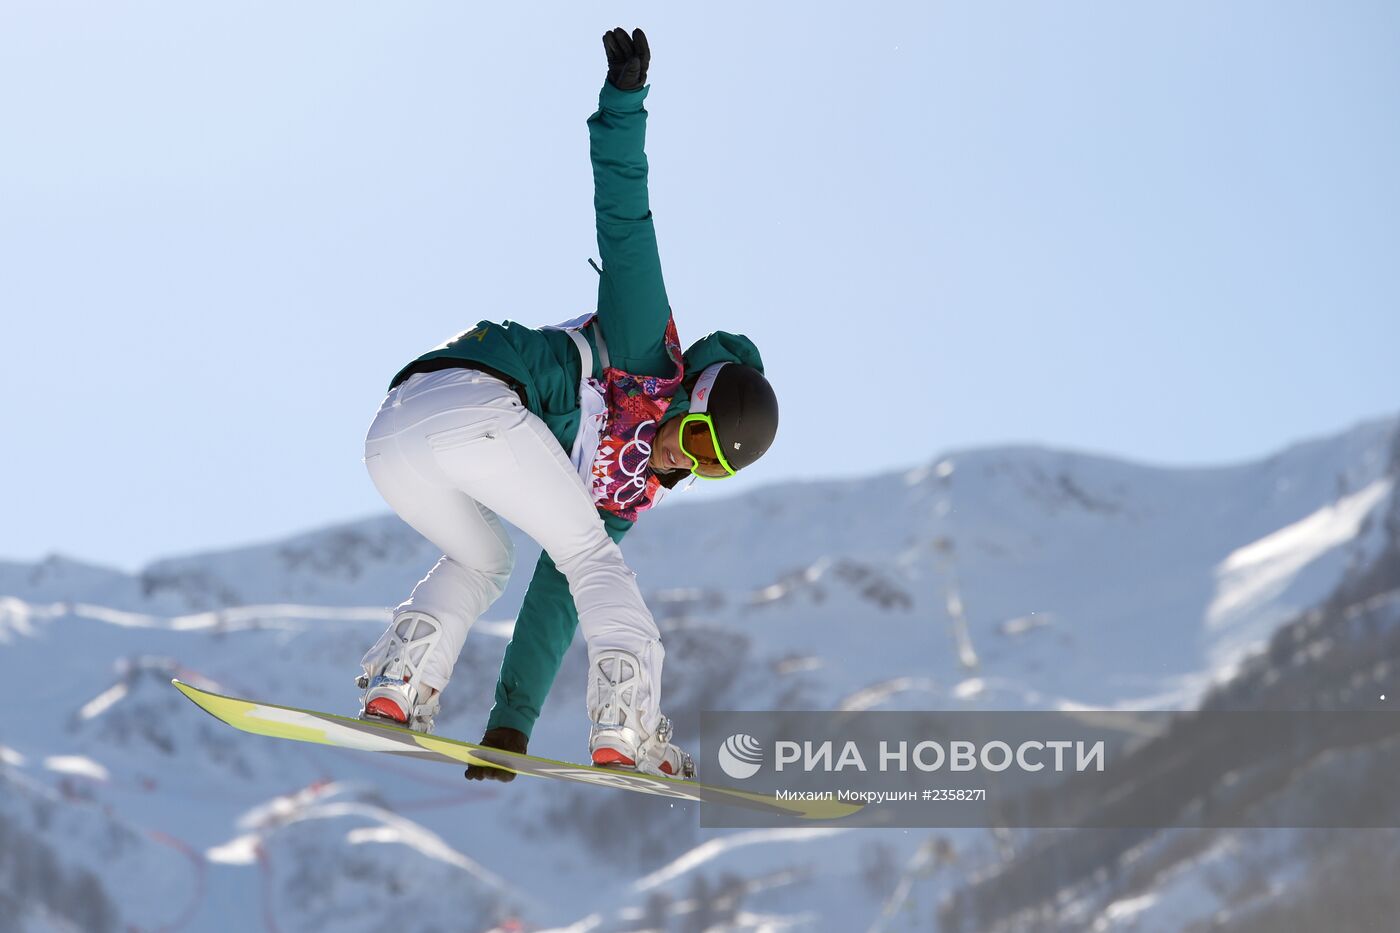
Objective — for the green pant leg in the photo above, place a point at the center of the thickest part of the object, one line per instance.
(543, 632)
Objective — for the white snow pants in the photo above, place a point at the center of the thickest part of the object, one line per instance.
(450, 451)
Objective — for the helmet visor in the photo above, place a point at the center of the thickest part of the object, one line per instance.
(699, 443)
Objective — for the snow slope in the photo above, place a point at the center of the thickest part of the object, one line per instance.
(1005, 578)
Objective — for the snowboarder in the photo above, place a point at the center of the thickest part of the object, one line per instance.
(569, 433)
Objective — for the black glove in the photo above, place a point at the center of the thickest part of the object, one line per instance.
(628, 58)
(506, 739)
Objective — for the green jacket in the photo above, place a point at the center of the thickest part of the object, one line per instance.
(632, 314)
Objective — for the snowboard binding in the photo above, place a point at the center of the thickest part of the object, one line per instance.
(393, 691)
(616, 739)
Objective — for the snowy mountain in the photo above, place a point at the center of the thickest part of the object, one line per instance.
(999, 579)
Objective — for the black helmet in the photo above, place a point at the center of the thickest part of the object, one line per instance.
(743, 407)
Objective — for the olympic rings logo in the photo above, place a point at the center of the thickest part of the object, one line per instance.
(637, 479)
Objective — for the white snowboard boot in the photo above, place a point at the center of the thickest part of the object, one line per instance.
(617, 738)
(393, 691)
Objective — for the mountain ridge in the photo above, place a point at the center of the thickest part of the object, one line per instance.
(993, 579)
(1363, 427)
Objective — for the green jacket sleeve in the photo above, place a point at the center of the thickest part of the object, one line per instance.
(632, 305)
(543, 631)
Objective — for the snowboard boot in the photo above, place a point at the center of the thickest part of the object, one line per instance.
(617, 738)
(393, 691)
(507, 740)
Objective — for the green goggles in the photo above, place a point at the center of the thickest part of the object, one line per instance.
(700, 443)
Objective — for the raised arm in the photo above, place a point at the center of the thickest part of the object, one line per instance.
(632, 305)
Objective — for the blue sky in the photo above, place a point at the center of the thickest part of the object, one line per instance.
(1165, 231)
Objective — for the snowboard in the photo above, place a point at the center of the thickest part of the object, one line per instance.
(302, 725)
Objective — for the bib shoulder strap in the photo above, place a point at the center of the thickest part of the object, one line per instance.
(585, 354)
(602, 345)
(574, 328)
